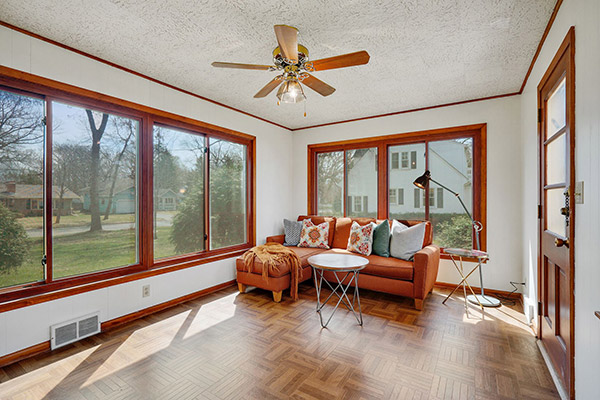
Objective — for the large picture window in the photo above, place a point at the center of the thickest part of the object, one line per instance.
(96, 189)
(455, 157)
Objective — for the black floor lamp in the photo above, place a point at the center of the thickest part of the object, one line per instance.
(487, 301)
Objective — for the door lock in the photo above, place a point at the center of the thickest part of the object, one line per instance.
(561, 242)
(564, 211)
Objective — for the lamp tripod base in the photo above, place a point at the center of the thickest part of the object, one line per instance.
(485, 300)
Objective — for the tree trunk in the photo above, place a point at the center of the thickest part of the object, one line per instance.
(116, 174)
(62, 194)
(96, 223)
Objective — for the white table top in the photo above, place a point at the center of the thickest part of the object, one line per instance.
(337, 262)
(467, 253)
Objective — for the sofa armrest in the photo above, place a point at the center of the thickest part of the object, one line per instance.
(426, 264)
(276, 239)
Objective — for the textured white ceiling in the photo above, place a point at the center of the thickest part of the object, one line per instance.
(423, 52)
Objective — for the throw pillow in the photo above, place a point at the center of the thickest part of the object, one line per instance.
(314, 235)
(381, 239)
(361, 238)
(406, 242)
(292, 231)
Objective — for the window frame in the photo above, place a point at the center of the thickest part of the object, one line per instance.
(22, 295)
(477, 132)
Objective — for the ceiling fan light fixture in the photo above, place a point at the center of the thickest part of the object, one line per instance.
(291, 92)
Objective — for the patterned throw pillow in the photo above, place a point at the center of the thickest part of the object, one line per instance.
(361, 238)
(314, 235)
(292, 231)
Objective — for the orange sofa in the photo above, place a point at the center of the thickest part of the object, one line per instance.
(413, 279)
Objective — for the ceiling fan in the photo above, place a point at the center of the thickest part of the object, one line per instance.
(291, 59)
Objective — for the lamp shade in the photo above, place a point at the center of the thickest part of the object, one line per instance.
(291, 91)
(422, 181)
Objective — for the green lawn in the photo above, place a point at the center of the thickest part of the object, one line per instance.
(84, 252)
(77, 219)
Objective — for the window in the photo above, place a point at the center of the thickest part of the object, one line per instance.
(121, 196)
(393, 196)
(417, 198)
(440, 198)
(94, 160)
(395, 162)
(455, 157)
(227, 171)
(361, 181)
(21, 174)
(178, 168)
(330, 181)
(404, 160)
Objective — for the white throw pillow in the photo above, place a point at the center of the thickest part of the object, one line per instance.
(405, 241)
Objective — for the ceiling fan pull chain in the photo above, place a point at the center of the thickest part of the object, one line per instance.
(304, 109)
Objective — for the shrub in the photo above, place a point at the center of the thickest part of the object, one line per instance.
(455, 232)
(13, 243)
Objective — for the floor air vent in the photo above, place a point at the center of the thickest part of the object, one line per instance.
(74, 330)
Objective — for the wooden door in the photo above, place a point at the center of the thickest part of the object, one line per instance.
(556, 183)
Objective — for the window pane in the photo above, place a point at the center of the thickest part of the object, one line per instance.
(555, 221)
(330, 184)
(178, 192)
(94, 173)
(21, 189)
(556, 154)
(362, 181)
(450, 164)
(557, 109)
(402, 179)
(227, 179)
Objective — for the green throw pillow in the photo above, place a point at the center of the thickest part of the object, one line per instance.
(381, 239)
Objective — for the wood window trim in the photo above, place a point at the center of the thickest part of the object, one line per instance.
(50, 90)
(476, 131)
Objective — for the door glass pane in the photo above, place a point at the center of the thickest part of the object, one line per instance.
(94, 173)
(330, 184)
(451, 164)
(21, 189)
(227, 179)
(557, 109)
(178, 192)
(555, 200)
(556, 165)
(402, 179)
(361, 167)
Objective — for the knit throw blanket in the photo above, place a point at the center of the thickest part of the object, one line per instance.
(274, 256)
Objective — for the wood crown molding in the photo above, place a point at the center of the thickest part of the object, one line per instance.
(53, 42)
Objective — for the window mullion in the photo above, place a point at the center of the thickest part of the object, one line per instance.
(428, 183)
(207, 194)
(47, 225)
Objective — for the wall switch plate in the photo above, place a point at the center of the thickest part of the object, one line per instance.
(579, 192)
(146, 291)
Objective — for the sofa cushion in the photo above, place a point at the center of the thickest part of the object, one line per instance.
(381, 239)
(292, 231)
(319, 220)
(405, 241)
(305, 252)
(342, 230)
(385, 267)
(315, 236)
(428, 239)
(361, 238)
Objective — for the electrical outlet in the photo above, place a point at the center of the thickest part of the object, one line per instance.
(146, 291)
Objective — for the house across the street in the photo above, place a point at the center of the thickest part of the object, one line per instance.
(28, 200)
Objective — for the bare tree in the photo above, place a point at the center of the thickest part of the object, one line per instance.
(125, 130)
(97, 132)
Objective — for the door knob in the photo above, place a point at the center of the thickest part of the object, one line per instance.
(564, 211)
(561, 242)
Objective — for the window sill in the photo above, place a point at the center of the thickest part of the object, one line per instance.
(24, 296)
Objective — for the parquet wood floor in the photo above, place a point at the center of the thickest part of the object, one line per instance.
(244, 346)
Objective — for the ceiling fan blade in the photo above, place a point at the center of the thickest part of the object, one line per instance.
(287, 37)
(318, 85)
(240, 66)
(268, 88)
(343, 61)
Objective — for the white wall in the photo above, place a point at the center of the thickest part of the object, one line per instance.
(584, 15)
(28, 326)
(504, 173)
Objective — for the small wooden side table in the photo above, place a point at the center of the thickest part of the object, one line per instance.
(460, 253)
